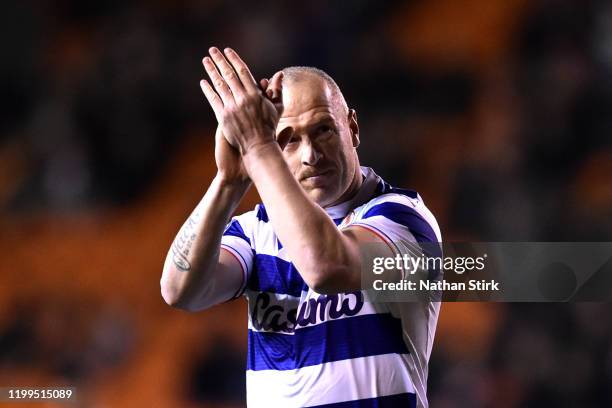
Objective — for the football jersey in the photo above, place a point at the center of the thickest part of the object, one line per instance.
(343, 350)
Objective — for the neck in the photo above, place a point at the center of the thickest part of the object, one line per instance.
(352, 189)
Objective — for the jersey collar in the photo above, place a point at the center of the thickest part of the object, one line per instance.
(365, 192)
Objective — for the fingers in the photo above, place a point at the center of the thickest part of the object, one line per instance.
(263, 84)
(231, 80)
(227, 71)
(275, 91)
(265, 87)
(213, 99)
(218, 82)
(242, 70)
(276, 85)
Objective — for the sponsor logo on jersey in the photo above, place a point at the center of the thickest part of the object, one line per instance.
(269, 316)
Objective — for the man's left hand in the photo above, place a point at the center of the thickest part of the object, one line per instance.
(247, 116)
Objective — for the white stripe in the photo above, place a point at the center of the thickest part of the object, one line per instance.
(266, 239)
(338, 381)
(241, 259)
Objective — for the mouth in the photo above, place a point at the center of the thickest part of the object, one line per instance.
(316, 178)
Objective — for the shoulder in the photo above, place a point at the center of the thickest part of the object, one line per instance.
(403, 209)
(407, 198)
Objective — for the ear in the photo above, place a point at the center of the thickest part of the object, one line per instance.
(352, 121)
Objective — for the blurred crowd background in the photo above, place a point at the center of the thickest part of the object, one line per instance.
(499, 112)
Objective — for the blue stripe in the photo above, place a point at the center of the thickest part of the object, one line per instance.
(406, 400)
(416, 224)
(403, 191)
(385, 188)
(380, 188)
(406, 216)
(235, 230)
(334, 340)
(261, 214)
(272, 274)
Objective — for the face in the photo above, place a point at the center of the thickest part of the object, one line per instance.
(322, 139)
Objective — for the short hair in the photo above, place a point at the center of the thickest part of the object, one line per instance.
(295, 73)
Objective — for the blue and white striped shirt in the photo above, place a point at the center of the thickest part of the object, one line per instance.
(306, 349)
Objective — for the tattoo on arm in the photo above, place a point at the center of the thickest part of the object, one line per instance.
(184, 241)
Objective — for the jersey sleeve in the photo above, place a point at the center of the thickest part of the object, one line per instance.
(237, 239)
(404, 223)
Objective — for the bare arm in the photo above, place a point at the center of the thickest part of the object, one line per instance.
(198, 274)
(328, 259)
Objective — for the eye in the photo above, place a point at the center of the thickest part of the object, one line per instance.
(324, 129)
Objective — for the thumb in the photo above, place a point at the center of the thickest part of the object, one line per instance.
(221, 138)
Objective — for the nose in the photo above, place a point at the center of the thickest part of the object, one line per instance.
(310, 155)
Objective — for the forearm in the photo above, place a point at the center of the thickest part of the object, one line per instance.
(316, 246)
(193, 257)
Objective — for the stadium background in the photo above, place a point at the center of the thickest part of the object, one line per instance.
(499, 112)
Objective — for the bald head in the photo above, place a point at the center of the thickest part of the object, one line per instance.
(321, 135)
(298, 74)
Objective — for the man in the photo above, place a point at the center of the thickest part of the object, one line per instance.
(315, 339)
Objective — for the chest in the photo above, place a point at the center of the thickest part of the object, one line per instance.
(273, 312)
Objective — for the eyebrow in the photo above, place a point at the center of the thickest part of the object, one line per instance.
(324, 117)
(326, 120)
